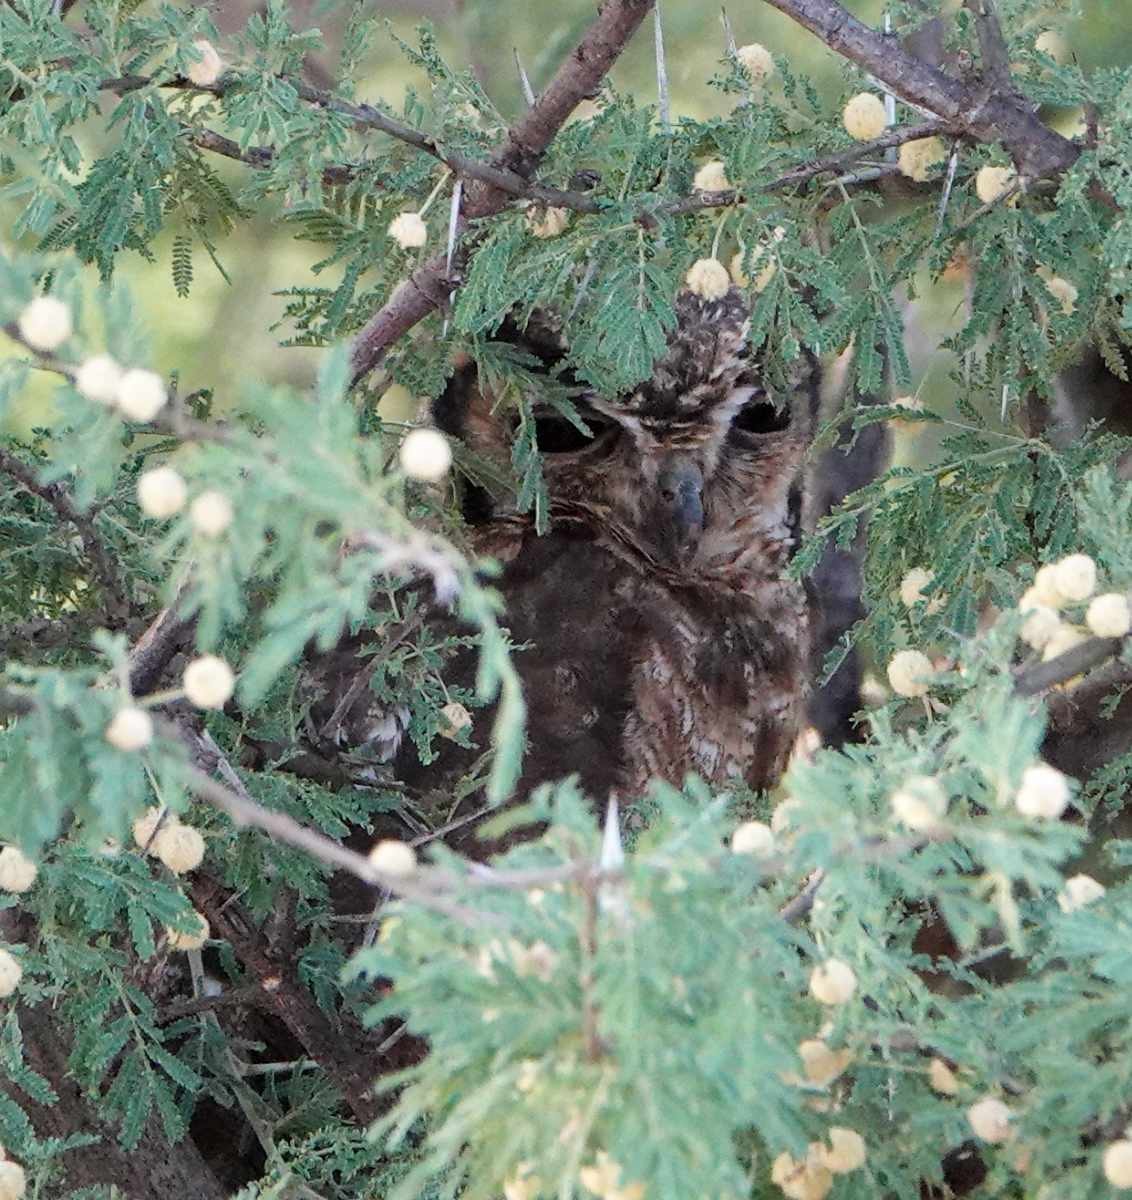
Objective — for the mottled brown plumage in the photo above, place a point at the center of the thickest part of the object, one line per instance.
(665, 637)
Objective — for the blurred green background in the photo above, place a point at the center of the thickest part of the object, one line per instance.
(222, 332)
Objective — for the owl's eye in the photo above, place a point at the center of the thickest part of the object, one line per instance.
(759, 415)
(556, 435)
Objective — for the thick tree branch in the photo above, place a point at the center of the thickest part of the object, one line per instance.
(992, 45)
(986, 113)
(578, 77)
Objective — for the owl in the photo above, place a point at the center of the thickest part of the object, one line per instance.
(658, 630)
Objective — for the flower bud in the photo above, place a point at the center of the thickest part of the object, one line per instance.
(177, 939)
(919, 156)
(1108, 616)
(45, 323)
(864, 117)
(990, 1120)
(1079, 891)
(141, 395)
(211, 513)
(708, 277)
(13, 1181)
(1118, 1164)
(920, 804)
(130, 728)
(208, 681)
(846, 1151)
(753, 837)
(909, 672)
(161, 492)
(210, 66)
(757, 61)
(10, 973)
(942, 1078)
(180, 847)
(392, 857)
(99, 378)
(832, 982)
(712, 177)
(1044, 792)
(1075, 577)
(425, 455)
(549, 222)
(992, 183)
(17, 871)
(408, 230)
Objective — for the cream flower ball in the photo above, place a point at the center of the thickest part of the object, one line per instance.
(990, 1120)
(408, 230)
(1075, 577)
(1079, 892)
(549, 222)
(1108, 616)
(820, 1064)
(753, 837)
(920, 803)
(1117, 1163)
(832, 982)
(942, 1078)
(13, 1181)
(425, 455)
(392, 857)
(1064, 292)
(144, 827)
(208, 681)
(709, 278)
(177, 939)
(141, 394)
(98, 378)
(757, 61)
(712, 177)
(1065, 637)
(1040, 626)
(211, 513)
(10, 973)
(180, 847)
(17, 871)
(1052, 43)
(992, 183)
(455, 717)
(208, 69)
(864, 117)
(161, 492)
(45, 323)
(909, 673)
(917, 157)
(1044, 792)
(130, 728)
(846, 1151)
(1044, 589)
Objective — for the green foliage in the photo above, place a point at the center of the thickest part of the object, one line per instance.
(582, 1016)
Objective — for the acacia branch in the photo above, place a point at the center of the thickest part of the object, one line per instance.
(57, 496)
(992, 45)
(984, 112)
(578, 77)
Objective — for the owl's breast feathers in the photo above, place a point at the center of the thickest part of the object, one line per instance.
(641, 669)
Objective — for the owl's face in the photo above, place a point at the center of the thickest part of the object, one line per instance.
(698, 459)
(690, 469)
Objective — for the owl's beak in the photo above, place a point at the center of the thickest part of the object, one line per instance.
(682, 487)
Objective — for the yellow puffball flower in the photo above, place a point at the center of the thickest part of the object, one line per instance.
(1117, 1164)
(208, 681)
(708, 277)
(392, 857)
(425, 455)
(1053, 44)
(13, 1181)
(992, 183)
(1063, 292)
(161, 492)
(820, 1064)
(1043, 793)
(456, 717)
(1075, 577)
(757, 61)
(10, 973)
(917, 157)
(912, 589)
(211, 513)
(98, 378)
(1041, 624)
(909, 672)
(408, 230)
(801, 1180)
(145, 826)
(1064, 639)
(990, 1120)
(180, 847)
(17, 871)
(523, 1185)
(209, 67)
(920, 803)
(141, 395)
(942, 1078)
(130, 728)
(864, 117)
(1079, 891)
(1044, 589)
(712, 177)
(177, 939)
(846, 1152)
(1108, 616)
(833, 982)
(45, 323)
(547, 223)
(753, 837)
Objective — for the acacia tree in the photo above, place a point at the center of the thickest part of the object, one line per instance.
(731, 1007)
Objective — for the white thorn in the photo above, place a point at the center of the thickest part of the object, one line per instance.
(524, 82)
(728, 35)
(453, 222)
(612, 851)
(661, 74)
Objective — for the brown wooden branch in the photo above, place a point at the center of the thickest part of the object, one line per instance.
(992, 45)
(59, 498)
(981, 111)
(578, 77)
(1069, 665)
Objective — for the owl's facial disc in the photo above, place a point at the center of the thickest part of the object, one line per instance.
(680, 485)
